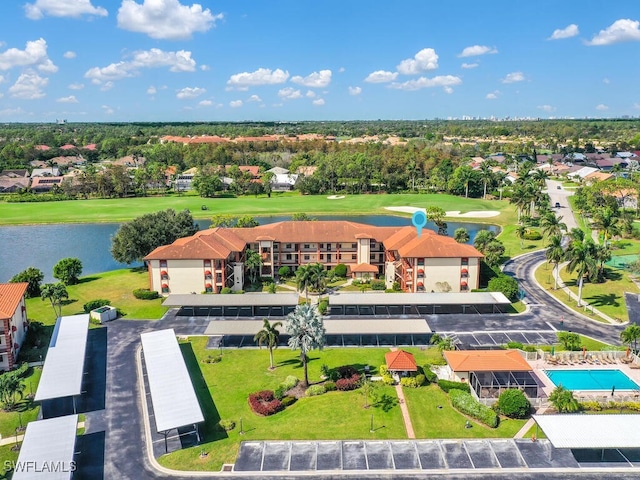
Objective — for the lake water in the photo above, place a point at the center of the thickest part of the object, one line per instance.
(41, 246)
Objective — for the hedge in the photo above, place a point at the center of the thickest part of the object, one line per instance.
(145, 294)
(264, 403)
(97, 303)
(412, 382)
(465, 403)
(315, 390)
(330, 386)
(448, 385)
(431, 377)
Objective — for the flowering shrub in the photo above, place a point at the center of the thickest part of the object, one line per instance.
(264, 403)
(350, 383)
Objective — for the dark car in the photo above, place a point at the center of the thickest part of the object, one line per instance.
(559, 187)
(557, 204)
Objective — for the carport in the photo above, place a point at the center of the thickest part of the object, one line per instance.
(48, 449)
(174, 400)
(416, 304)
(339, 332)
(233, 305)
(614, 434)
(63, 370)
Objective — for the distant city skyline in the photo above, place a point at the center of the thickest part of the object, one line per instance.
(175, 60)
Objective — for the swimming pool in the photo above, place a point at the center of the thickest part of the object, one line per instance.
(591, 379)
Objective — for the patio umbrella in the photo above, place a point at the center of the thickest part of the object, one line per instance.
(553, 350)
(584, 351)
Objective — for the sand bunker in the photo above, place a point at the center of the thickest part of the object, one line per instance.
(335, 197)
(453, 213)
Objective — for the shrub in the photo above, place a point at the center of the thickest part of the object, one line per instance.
(264, 403)
(515, 345)
(505, 284)
(465, 403)
(284, 272)
(383, 370)
(340, 270)
(280, 392)
(266, 280)
(411, 382)
(387, 379)
(591, 406)
(315, 390)
(396, 287)
(323, 306)
(532, 235)
(213, 359)
(421, 379)
(227, 425)
(378, 285)
(346, 384)
(447, 386)
(330, 386)
(290, 382)
(272, 288)
(431, 377)
(93, 304)
(513, 403)
(225, 290)
(346, 371)
(145, 294)
(289, 400)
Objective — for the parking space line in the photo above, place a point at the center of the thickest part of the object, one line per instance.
(464, 445)
(415, 447)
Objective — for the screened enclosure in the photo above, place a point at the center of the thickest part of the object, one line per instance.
(492, 384)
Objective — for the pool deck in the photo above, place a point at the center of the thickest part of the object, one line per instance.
(578, 362)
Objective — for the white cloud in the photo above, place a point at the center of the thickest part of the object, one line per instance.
(34, 55)
(468, 66)
(107, 109)
(262, 76)
(310, 94)
(567, 32)
(513, 77)
(235, 103)
(107, 86)
(547, 108)
(152, 90)
(491, 96)
(448, 90)
(29, 86)
(188, 93)
(205, 68)
(254, 98)
(355, 91)
(319, 79)
(11, 112)
(601, 107)
(165, 19)
(425, 59)
(623, 30)
(606, 81)
(318, 102)
(424, 82)
(381, 76)
(69, 54)
(179, 61)
(289, 93)
(69, 99)
(62, 8)
(341, 70)
(477, 50)
(76, 86)
(1, 78)
(205, 103)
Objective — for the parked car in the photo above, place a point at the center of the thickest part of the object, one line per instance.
(559, 187)
(557, 204)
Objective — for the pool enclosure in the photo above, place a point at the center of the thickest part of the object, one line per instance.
(492, 384)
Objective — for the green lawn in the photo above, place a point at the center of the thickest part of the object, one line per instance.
(117, 210)
(608, 297)
(223, 389)
(116, 286)
(429, 421)
(7, 453)
(26, 411)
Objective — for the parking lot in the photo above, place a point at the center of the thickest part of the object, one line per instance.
(493, 339)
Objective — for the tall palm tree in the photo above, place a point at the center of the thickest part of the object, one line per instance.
(253, 262)
(269, 335)
(630, 335)
(606, 222)
(563, 400)
(552, 226)
(487, 177)
(306, 332)
(581, 260)
(304, 279)
(318, 277)
(521, 231)
(555, 254)
(602, 254)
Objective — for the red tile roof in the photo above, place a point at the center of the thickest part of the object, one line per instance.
(486, 361)
(428, 244)
(364, 267)
(10, 296)
(400, 361)
(67, 147)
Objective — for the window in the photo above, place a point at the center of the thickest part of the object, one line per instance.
(288, 256)
(354, 245)
(288, 246)
(306, 245)
(373, 244)
(306, 257)
(207, 263)
(322, 256)
(163, 264)
(354, 257)
(464, 261)
(322, 245)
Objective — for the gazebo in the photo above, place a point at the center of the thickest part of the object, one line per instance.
(401, 363)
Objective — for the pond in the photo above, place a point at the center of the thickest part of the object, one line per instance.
(41, 246)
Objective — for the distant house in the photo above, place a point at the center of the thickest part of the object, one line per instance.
(68, 146)
(130, 161)
(45, 184)
(284, 182)
(254, 170)
(604, 163)
(625, 155)
(575, 157)
(278, 171)
(13, 184)
(597, 177)
(184, 181)
(306, 170)
(45, 172)
(13, 322)
(579, 173)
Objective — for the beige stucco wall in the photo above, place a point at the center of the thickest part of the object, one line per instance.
(447, 270)
(185, 276)
(364, 250)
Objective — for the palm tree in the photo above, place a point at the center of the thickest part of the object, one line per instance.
(581, 260)
(318, 277)
(602, 254)
(304, 279)
(555, 254)
(461, 235)
(606, 222)
(521, 231)
(552, 226)
(487, 176)
(253, 262)
(563, 400)
(443, 343)
(306, 332)
(631, 335)
(269, 335)
(55, 293)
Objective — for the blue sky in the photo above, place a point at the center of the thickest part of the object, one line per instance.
(173, 60)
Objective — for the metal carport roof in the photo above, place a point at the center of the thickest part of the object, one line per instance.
(47, 449)
(471, 298)
(332, 327)
(64, 366)
(591, 431)
(231, 300)
(174, 400)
